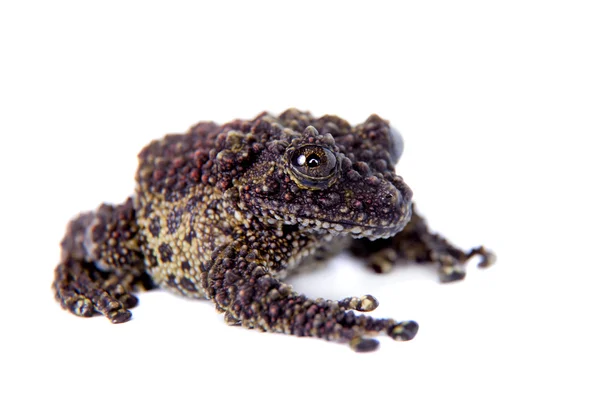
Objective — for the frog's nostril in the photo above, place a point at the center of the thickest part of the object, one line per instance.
(394, 198)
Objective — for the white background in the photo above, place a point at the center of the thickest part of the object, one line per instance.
(499, 108)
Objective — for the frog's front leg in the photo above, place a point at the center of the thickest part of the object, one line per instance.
(241, 282)
(101, 264)
(416, 243)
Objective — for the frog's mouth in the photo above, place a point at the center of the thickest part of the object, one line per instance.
(357, 230)
(385, 216)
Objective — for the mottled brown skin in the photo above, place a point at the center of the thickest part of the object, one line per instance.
(226, 212)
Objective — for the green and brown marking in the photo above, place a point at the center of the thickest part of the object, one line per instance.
(225, 212)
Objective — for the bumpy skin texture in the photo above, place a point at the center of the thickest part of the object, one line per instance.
(226, 212)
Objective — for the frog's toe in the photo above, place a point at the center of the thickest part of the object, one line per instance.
(367, 303)
(109, 305)
(363, 303)
(119, 316)
(364, 345)
(405, 330)
(487, 258)
(451, 273)
(77, 304)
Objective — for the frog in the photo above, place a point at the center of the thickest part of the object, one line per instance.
(226, 212)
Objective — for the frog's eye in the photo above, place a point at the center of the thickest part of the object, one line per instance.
(313, 166)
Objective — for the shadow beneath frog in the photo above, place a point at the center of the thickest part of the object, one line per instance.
(344, 276)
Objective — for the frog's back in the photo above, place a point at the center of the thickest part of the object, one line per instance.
(161, 158)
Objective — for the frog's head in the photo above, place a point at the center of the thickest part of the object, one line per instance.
(330, 180)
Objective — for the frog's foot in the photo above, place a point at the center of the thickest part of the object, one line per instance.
(84, 290)
(416, 243)
(101, 264)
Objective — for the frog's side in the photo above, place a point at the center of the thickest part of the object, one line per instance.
(225, 212)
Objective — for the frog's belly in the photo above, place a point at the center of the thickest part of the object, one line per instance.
(179, 267)
(179, 241)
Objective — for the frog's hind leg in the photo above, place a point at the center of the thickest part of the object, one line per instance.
(416, 243)
(101, 264)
